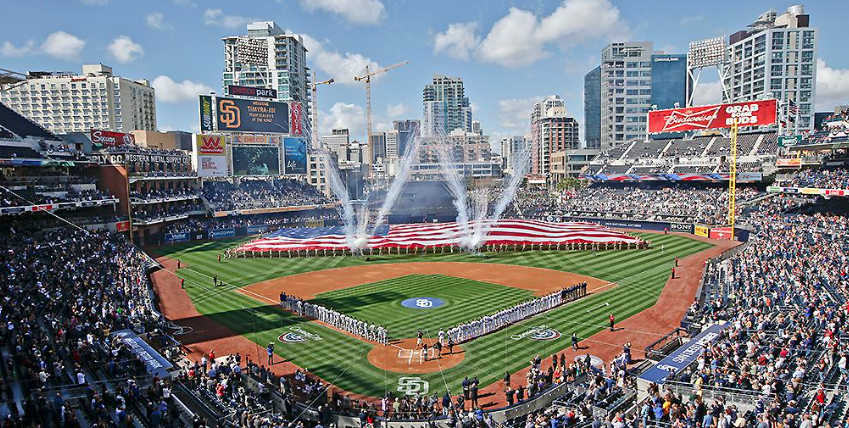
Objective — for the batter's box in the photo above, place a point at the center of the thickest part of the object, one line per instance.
(411, 356)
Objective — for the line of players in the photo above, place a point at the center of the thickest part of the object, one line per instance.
(491, 323)
(336, 319)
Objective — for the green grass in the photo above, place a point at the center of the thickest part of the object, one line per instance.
(380, 302)
(640, 276)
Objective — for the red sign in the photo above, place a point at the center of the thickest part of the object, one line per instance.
(211, 144)
(122, 226)
(46, 207)
(720, 233)
(109, 138)
(295, 116)
(755, 113)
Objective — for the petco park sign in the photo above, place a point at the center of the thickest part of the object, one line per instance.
(755, 113)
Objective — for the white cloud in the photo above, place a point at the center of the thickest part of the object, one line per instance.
(363, 12)
(344, 115)
(832, 86)
(475, 108)
(169, 91)
(396, 110)
(9, 49)
(514, 114)
(521, 37)
(341, 67)
(458, 41)
(707, 93)
(62, 45)
(125, 50)
(218, 18)
(156, 20)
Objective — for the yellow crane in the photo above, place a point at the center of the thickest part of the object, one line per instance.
(367, 78)
(315, 84)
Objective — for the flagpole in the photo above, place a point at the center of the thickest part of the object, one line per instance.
(780, 118)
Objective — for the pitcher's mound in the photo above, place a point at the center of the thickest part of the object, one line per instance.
(403, 357)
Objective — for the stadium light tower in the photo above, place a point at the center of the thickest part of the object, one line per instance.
(704, 54)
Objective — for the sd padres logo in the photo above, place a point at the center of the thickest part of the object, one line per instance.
(298, 335)
(540, 332)
(422, 303)
(229, 114)
(413, 385)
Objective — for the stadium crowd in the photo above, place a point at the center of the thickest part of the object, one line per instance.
(27, 197)
(225, 195)
(826, 178)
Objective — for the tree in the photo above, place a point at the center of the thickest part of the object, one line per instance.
(570, 183)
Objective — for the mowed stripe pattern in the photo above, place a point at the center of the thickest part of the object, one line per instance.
(640, 276)
(379, 302)
(502, 232)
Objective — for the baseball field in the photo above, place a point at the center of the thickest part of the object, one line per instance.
(457, 287)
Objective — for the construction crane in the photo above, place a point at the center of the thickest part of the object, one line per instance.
(367, 78)
(315, 84)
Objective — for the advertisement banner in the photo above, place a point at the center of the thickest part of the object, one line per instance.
(808, 191)
(122, 226)
(240, 115)
(212, 155)
(789, 162)
(250, 91)
(720, 233)
(296, 118)
(155, 363)
(252, 139)
(294, 156)
(109, 138)
(700, 230)
(257, 229)
(754, 113)
(125, 158)
(206, 113)
(682, 357)
(222, 233)
(176, 237)
(256, 160)
(681, 227)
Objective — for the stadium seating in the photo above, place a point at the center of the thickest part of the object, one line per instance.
(23, 127)
(226, 195)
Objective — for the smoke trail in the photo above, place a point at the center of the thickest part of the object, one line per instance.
(411, 155)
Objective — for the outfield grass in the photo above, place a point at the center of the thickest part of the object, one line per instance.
(640, 276)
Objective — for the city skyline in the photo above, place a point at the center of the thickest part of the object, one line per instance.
(177, 46)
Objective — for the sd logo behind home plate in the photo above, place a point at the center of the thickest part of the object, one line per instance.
(298, 335)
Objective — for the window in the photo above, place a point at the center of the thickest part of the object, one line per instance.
(807, 56)
(778, 57)
(775, 84)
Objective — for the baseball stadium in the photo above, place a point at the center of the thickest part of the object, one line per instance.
(666, 266)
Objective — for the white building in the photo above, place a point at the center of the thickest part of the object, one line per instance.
(625, 65)
(552, 130)
(64, 102)
(392, 144)
(511, 148)
(269, 58)
(776, 57)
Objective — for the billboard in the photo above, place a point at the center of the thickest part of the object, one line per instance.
(239, 115)
(256, 160)
(295, 156)
(250, 91)
(296, 117)
(206, 113)
(754, 113)
(211, 155)
(109, 138)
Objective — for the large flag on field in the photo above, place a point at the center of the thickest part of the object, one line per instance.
(428, 235)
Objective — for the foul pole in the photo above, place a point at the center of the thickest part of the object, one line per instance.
(732, 179)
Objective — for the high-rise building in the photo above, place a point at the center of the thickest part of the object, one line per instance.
(269, 58)
(552, 130)
(407, 130)
(391, 144)
(628, 89)
(338, 142)
(476, 127)
(465, 147)
(377, 140)
(776, 57)
(592, 108)
(446, 105)
(512, 148)
(65, 102)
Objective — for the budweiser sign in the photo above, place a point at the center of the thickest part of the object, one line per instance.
(210, 144)
(109, 138)
(755, 113)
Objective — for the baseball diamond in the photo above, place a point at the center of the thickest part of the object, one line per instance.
(246, 303)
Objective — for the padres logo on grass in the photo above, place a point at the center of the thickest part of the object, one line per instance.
(539, 332)
(298, 335)
(422, 303)
(413, 385)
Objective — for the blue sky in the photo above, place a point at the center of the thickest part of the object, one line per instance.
(509, 53)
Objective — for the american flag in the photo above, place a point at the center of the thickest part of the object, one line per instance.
(793, 108)
(429, 235)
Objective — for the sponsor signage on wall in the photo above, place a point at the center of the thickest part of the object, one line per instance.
(206, 117)
(222, 233)
(240, 115)
(125, 158)
(755, 113)
(250, 91)
(109, 138)
(295, 112)
(294, 156)
(211, 155)
(808, 191)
